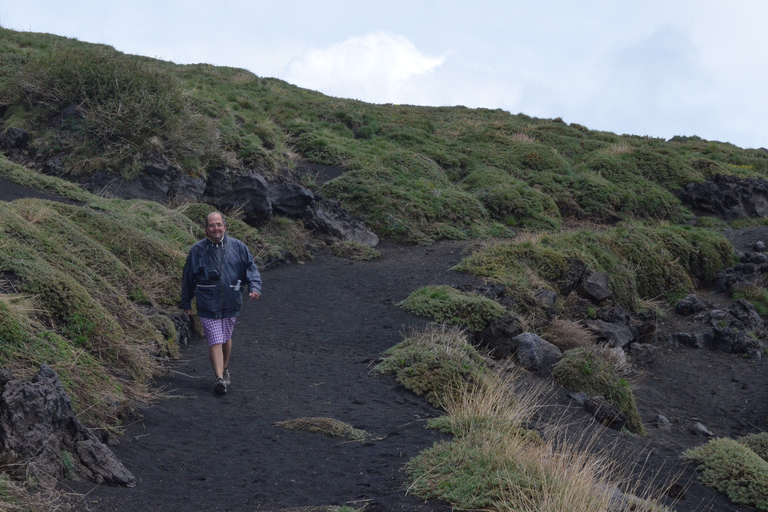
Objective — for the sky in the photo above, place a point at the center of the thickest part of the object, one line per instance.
(652, 67)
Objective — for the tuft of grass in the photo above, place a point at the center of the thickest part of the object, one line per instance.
(328, 426)
(434, 361)
(446, 304)
(355, 251)
(756, 295)
(582, 369)
(567, 334)
(495, 463)
(734, 469)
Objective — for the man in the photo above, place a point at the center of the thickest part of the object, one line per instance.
(218, 268)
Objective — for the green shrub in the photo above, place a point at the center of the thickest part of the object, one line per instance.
(758, 443)
(734, 469)
(446, 304)
(434, 363)
(581, 369)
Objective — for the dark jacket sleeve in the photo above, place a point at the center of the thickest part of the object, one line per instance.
(252, 276)
(188, 281)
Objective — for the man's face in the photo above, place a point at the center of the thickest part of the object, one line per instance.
(215, 228)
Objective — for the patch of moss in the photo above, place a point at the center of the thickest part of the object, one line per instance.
(447, 304)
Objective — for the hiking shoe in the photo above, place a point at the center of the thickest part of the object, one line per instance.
(220, 387)
(226, 377)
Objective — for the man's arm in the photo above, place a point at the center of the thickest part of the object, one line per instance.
(188, 284)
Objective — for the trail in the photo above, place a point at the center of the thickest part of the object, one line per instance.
(304, 350)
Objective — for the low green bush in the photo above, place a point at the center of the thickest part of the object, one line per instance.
(434, 363)
(758, 443)
(734, 469)
(581, 369)
(446, 304)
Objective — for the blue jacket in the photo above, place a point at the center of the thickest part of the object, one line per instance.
(213, 281)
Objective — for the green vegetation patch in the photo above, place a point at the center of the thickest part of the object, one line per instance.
(734, 469)
(446, 304)
(355, 251)
(643, 261)
(329, 426)
(434, 363)
(582, 370)
(758, 443)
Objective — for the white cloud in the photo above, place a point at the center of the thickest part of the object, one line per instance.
(378, 67)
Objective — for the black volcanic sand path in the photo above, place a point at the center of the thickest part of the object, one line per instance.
(304, 350)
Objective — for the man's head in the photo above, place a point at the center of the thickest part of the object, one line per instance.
(215, 226)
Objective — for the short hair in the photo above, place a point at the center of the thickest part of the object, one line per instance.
(223, 219)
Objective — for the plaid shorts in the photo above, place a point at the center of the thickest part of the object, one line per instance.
(218, 330)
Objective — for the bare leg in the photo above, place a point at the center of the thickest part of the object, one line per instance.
(216, 354)
(226, 350)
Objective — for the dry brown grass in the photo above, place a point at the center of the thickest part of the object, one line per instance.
(523, 137)
(567, 334)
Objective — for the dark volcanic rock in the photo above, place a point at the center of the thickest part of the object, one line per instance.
(594, 286)
(615, 334)
(334, 222)
(605, 413)
(735, 341)
(13, 138)
(534, 353)
(728, 197)
(38, 426)
(499, 336)
(690, 304)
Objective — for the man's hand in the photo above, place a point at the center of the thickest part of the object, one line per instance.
(188, 311)
(254, 295)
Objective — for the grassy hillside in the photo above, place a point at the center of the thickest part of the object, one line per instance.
(85, 287)
(415, 173)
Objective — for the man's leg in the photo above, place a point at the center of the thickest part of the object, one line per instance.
(216, 354)
(226, 350)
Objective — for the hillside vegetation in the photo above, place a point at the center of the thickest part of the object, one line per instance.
(415, 173)
(90, 287)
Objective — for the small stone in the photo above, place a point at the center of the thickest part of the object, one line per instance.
(701, 430)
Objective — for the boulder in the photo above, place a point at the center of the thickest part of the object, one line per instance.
(689, 305)
(734, 341)
(230, 189)
(616, 335)
(38, 427)
(594, 286)
(547, 299)
(499, 335)
(335, 224)
(13, 139)
(744, 314)
(736, 278)
(571, 279)
(534, 353)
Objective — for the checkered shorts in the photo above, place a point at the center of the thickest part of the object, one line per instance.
(218, 330)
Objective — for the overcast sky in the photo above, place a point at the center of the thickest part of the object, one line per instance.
(652, 67)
